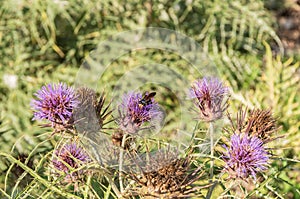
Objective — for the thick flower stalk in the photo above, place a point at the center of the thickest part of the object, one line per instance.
(133, 113)
(209, 94)
(69, 159)
(55, 102)
(245, 156)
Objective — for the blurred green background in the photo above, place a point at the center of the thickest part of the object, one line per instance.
(44, 41)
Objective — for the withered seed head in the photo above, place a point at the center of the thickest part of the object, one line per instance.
(90, 112)
(117, 138)
(259, 123)
(166, 176)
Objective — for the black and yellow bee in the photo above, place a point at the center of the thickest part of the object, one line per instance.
(147, 99)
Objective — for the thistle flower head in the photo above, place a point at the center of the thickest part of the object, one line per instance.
(246, 156)
(209, 94)
(55, 102)
(69, 158)
(133, 113)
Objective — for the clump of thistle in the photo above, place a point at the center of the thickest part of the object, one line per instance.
(133, 113)
(166, 176)
(209, 95)
(55, 102)
(245, 156)
(69, 160)
(90, 113)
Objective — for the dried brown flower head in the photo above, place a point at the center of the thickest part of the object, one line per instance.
(90, 113)
(117, 138)
(259, 123)
(166, 176)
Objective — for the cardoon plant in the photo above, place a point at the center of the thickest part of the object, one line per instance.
(55, 102)
(144, 169)
(209, 95)
(134, 110)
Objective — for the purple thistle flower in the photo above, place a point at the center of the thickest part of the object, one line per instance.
(68, 158)
(210, 93)
(245, 156)
(132, 113)
(55, 103)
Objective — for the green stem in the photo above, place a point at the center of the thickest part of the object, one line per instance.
(211, 170)
(87, 187)
(121, 163)
(113, 186)
(107, 192)
(211, 134)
